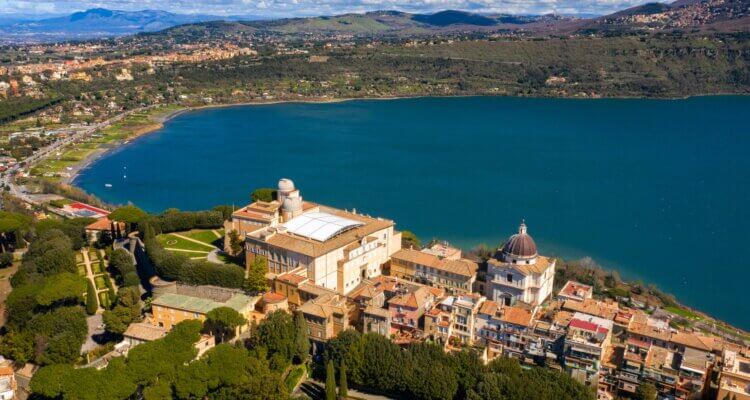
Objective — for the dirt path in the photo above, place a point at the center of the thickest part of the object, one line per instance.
(193, 240)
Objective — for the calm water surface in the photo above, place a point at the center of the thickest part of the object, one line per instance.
(657, 189)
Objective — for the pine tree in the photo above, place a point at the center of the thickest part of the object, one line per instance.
(301, 341)
(91, 304)
(343, 386)
(330, 381)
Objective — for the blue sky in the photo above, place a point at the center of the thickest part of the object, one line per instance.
(287, 8)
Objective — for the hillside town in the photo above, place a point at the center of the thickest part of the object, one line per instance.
(344, 270)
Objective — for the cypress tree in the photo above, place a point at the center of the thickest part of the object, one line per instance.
(343, 386)
(330, 381)
(91, 304)
(301, 342)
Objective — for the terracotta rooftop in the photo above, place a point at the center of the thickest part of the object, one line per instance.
(325, 306)
(416, 299)
(103, 224)
(592, 307)
(144, 331)
(693, 340)
(516, 315)
(461, 267)
(293, 279)
(648, 331)
(576, 289)
(270, 298)
(541, 265)
(489, 307)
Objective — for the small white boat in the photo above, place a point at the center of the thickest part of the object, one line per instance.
(109, 185)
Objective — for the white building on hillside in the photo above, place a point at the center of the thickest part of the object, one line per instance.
(518, 273)
(337, 249)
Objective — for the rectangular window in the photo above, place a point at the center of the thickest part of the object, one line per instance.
(510, 277)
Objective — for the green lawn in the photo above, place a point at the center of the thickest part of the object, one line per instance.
(100, 283)
(96, 268)
(79, 258)
(682, 312)
(93, 255)
(170, 241)
(81, 269)
(205, 236)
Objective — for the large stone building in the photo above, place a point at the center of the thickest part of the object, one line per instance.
(455, 275)
(518, 273)
(337, 249)
(194, 302)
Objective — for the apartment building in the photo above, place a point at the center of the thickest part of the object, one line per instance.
(452, 320)
(455, 275)
(734, 376)
(586, 341)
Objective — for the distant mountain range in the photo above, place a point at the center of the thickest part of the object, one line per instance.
(100, 22)
(702, 15)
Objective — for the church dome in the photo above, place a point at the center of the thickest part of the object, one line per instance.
(286, 185)
(520, 245)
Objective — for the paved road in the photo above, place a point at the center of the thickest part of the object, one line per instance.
(7, 178)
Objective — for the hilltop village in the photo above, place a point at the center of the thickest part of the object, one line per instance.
(333, 273)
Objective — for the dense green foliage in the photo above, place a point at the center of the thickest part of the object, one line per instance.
(174, 220)
(92, 303)
(330, 381)
(122, 267)
(166, 369)
(74, 229)
(424, 371)
(127, 310)
(263, 194)
(16, 108)
(409, 240)
(181, 268)
(222, 322)
(13, 227)
(256, 277)
(646, 391)
(50, 253)
(46, 322)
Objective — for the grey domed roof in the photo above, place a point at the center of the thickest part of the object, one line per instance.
(286, 185)
(520, 245)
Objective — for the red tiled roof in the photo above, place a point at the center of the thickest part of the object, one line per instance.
(273, 297)
(291, 278)
(589, 326)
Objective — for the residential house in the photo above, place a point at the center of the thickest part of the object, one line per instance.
(586, 341)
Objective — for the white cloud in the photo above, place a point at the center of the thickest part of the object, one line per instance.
(287, 8)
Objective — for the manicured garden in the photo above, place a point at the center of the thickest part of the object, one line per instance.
(203, 241)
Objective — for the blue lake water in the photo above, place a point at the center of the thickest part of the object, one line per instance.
(657, 189)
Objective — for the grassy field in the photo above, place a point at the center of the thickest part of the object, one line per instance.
(685, 313)
(205, 236)
(170, 241)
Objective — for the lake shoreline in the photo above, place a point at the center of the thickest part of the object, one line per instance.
(160, 121)
(413, 220)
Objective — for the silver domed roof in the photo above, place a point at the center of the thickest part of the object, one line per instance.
(520, 245)
(286, 185)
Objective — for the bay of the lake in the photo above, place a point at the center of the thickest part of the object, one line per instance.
(657, 189)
